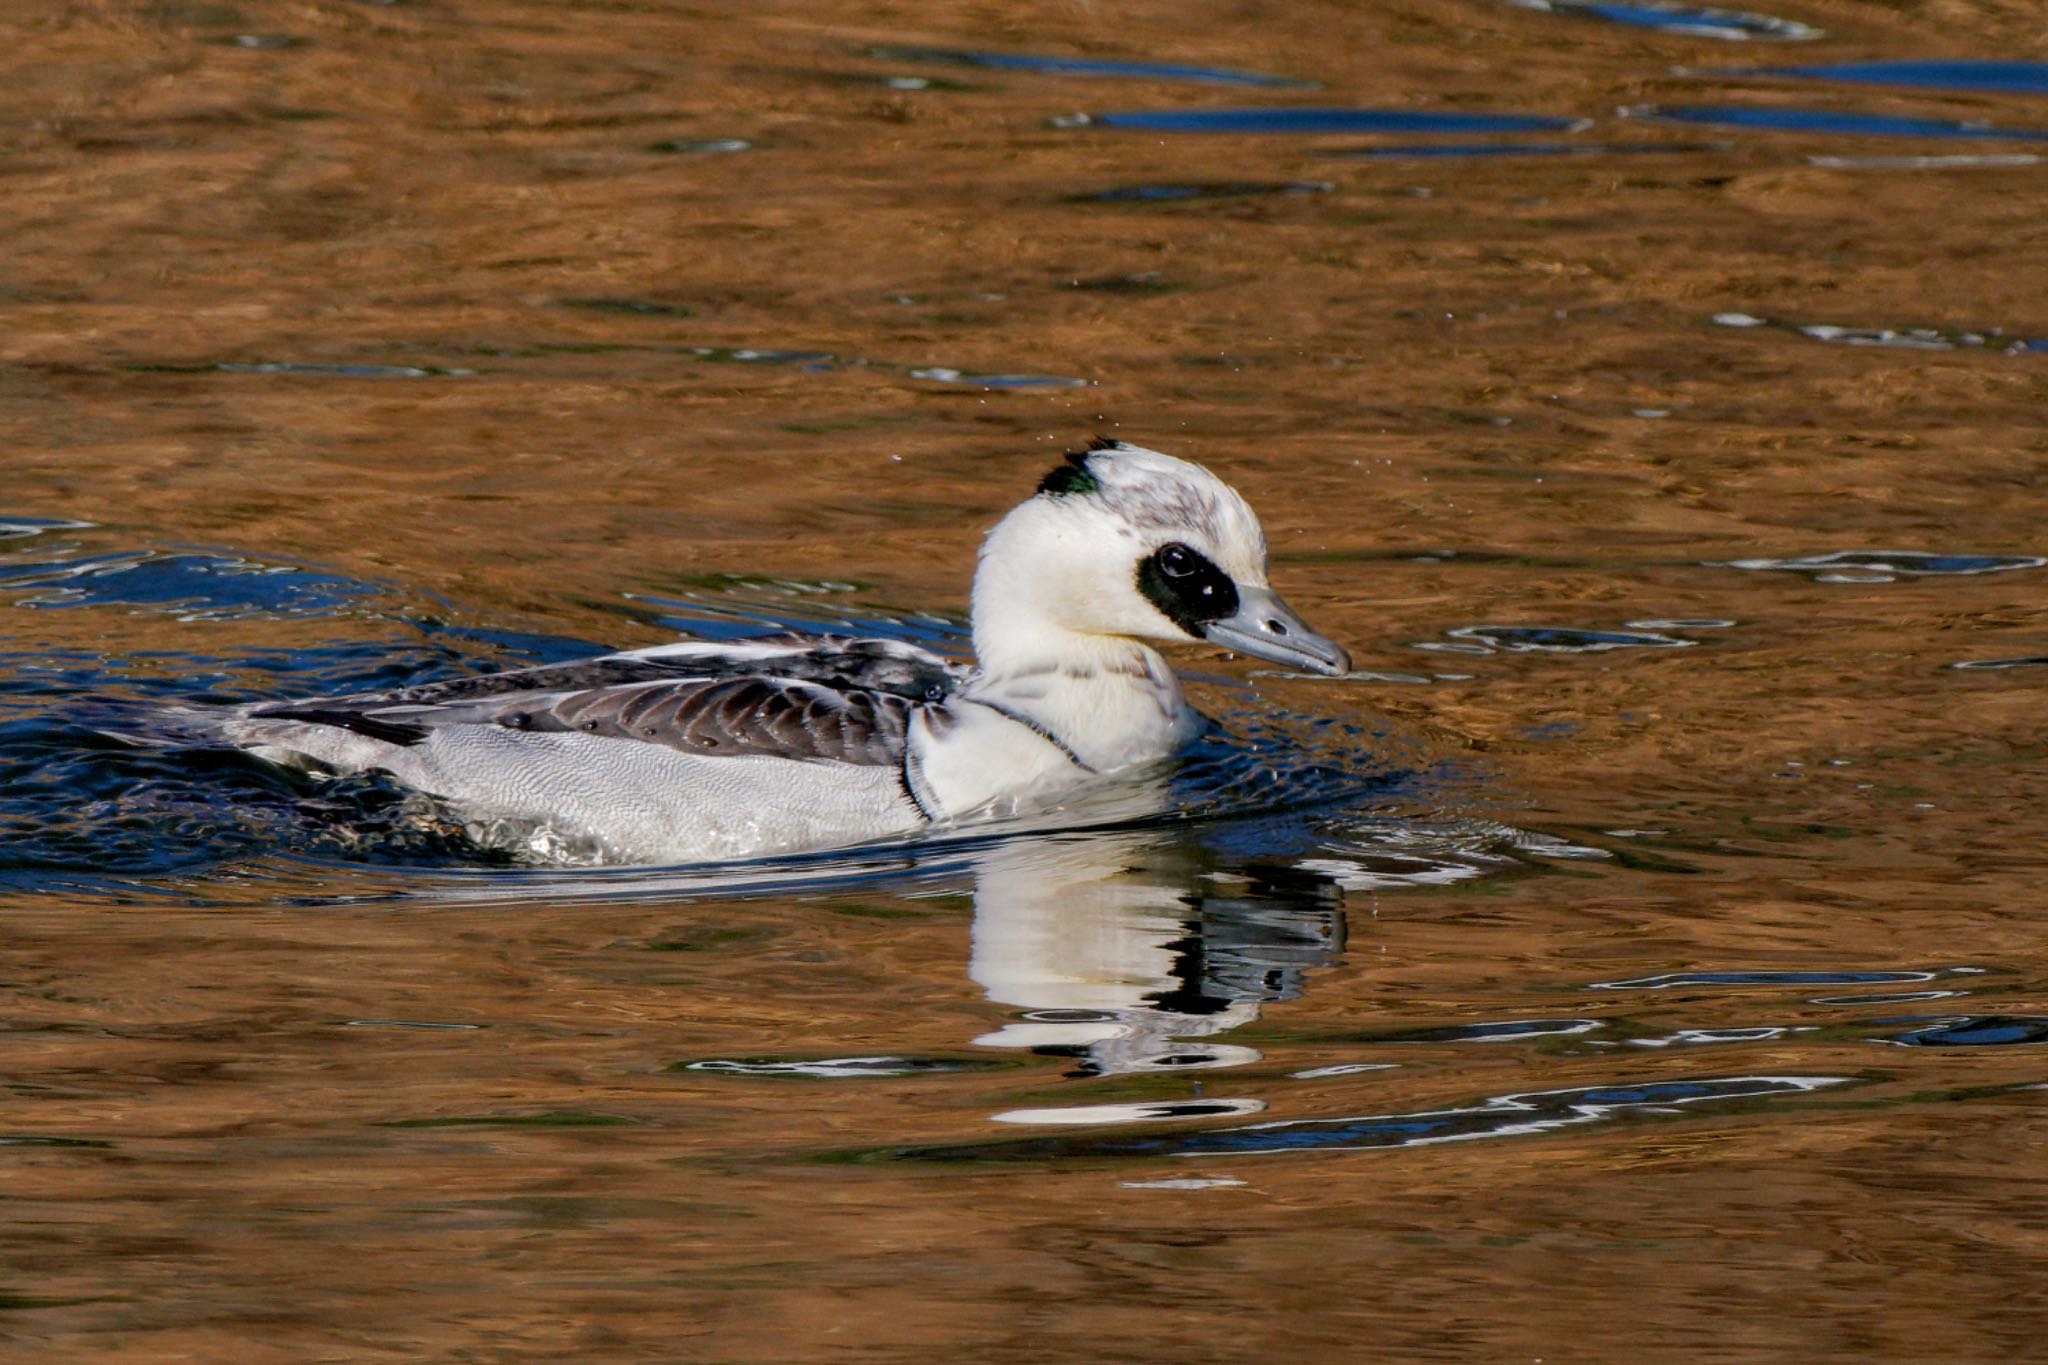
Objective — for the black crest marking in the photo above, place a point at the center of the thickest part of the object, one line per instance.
(1186, 587)
(1070, 478)
(1074, 476)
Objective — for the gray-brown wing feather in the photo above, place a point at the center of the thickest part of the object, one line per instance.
(783, 717)
(834, 660)
(780, 717)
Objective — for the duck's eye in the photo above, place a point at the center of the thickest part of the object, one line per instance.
(1186, 587)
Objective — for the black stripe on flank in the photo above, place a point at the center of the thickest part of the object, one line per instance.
(389, 731)
(1188, 590)
(907, 780)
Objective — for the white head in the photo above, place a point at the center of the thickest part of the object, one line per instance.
(1121, 542)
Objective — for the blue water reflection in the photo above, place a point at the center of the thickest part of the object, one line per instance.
(1784, 119)
(1990, 77)
(1691, 21)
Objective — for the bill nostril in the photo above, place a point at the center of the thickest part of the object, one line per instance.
(1277, 627)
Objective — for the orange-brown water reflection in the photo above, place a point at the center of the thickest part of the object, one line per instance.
(283, 1108)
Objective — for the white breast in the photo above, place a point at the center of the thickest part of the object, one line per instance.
(970, 762)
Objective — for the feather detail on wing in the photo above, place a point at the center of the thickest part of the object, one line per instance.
(824, 699)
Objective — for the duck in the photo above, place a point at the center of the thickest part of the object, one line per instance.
(702, 751)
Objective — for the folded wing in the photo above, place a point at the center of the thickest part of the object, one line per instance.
(826, 699)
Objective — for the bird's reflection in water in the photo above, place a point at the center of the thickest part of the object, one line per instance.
(1135, 953)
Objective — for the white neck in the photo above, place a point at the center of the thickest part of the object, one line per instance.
(1109, 697)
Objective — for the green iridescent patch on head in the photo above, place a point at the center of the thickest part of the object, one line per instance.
(1074, 476)
(1070, 478)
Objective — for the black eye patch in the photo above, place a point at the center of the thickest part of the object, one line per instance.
(1188, 589)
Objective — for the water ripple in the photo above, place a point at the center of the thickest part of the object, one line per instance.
(1668, 980)
(1223, 189)
(701, 146)
(1885, 566)
(1783, 119)
(836, 1068)
(1690, 21)
(1078, 66)
(189, 586)
(1981, 1030)
(1446, 150)
(1551, 640)
(1951, 162)
(2028, 661)
(1495, 1031)
(317, 369)
(938, 374)
(1313, 121)
(1156, 1111)
(340, 371)
(1523, 1114)
(2016, 78)
(632, 308)
(1896, 338)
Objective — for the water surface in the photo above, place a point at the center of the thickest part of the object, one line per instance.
(1638, 957)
